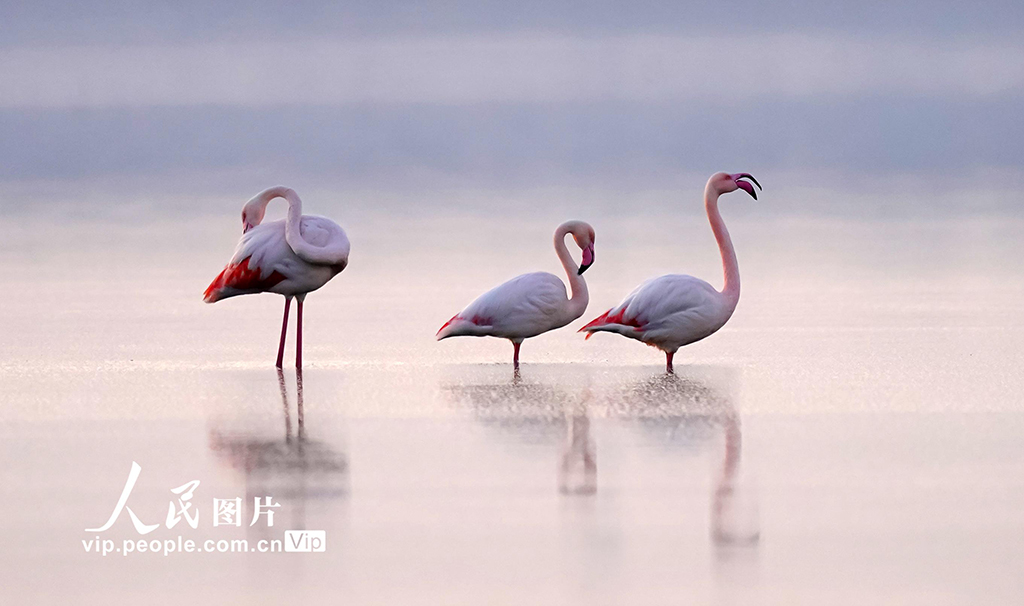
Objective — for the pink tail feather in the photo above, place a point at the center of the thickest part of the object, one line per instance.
(242, 279)
(606, 319)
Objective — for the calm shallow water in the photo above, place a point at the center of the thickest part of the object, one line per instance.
(851, 437)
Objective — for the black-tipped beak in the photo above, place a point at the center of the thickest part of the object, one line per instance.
(246, 228)
(747, 187)
(751, 177)
(587, 261)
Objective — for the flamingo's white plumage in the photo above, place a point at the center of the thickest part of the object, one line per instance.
(533, 303)
(291, 257)
(671, 311)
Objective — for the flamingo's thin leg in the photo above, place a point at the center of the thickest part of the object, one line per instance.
(287, 413)
(515, 355)
(284, 331)
(298, 336)
(302, 412)
(668, 361)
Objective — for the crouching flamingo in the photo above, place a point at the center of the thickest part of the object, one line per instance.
(530, 304)
(291, 257)
(675, 310)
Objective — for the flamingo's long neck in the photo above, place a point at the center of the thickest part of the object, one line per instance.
(332, 254)
(292, 220)
(577, 286)
(257, 207)
(731, 267)
(294, 216)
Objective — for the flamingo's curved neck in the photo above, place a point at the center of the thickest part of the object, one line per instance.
(731, 267)
(327, 255)
(258, 205)
(577, 286)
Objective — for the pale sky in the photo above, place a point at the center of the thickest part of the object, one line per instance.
(491, 92)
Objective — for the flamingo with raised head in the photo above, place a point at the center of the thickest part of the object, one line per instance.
(671, 311)
(530, 304)
(292, 257)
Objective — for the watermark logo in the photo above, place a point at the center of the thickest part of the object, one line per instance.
(184, 507)
(308, 541)
(227, 512)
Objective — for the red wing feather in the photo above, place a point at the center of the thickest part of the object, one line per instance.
(446, 324)
(478, 320)
(240, 277)
(605, 318)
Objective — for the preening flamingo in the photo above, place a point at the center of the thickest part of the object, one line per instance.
(291, 257)
(675, 310)
(530, 304)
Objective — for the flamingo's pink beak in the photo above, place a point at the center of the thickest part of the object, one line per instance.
(588, 259)
(745, 186)
(246, 228)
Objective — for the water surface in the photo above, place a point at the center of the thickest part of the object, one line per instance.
(850, 437)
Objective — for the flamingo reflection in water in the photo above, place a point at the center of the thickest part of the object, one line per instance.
(687, 408)
(692, 409)
(727, 504)
(528, 409)
(577, 470)
(294, 468)
(534, 411)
